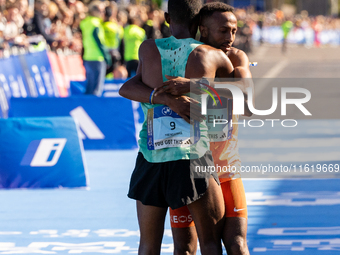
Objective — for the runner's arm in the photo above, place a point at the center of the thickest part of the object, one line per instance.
(135, 89)
(186, 107)
(243, 80)
(179, 86)
(240, 62)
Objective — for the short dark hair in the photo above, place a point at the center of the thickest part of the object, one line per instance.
(108, 12)
(209, 8)
(184, 11)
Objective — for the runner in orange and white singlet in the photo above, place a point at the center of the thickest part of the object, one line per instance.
(165, 176)
(218, 29)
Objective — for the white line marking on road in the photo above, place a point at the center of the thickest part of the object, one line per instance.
(272, 73)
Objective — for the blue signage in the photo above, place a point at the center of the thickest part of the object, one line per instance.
(3, 102)
(105, 123)
(11, 80)
(111, 89)
(40, 153)
(41, 72)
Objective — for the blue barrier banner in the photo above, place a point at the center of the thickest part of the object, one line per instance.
(3, 103)
(4, 79)
(306, 36)
(77, 87)
(12, 82)
(40, 153)
(105, 123)
(46, 72)
(111, 89)
(31, 87)
(20, 76)
(41, 72)
(11, 78)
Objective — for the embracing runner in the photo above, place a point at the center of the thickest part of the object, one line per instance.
(164, 173)
(218, 28)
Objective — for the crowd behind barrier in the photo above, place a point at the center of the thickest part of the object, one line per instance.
(24, 22)
(39, 84)
(57, 21)
(48, 73)
(302, 36)
(270, 27)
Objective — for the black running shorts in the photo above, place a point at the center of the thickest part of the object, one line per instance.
(173, 183)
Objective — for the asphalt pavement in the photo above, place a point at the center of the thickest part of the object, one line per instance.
(315, 69)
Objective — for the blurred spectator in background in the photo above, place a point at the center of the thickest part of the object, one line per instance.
(148, 26)
(122, 17)
(24, 11)
(164, 26)
(279, 16)
(286, 27)
(157, 3)
(12, 32)
(260, 26)
(95, 56)
(113, 37)
(2, 28)
(79, 14)
(244, 31)
(41, 22)
(134, 35)
(55, 26)
(317, 26)
(2, 6)
(58, 23)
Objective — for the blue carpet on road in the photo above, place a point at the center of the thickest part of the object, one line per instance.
(286, 215)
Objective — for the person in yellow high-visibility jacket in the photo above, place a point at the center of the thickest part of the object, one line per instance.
(114, 33)
(95, 57)
(134, 35)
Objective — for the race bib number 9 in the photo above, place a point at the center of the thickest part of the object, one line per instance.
(219, 120)
(167, 129)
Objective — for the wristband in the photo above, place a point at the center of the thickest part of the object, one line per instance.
(203, 82)
(151, 97)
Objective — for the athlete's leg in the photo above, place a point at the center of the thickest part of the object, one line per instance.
(208, 215)
(235, 228)
(185, 240)
(183, 231)
(151, 226)
(235, 236)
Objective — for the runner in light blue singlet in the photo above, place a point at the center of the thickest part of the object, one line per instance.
(174, 55)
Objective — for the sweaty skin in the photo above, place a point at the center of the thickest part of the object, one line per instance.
(219, 31)
(204, 61)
